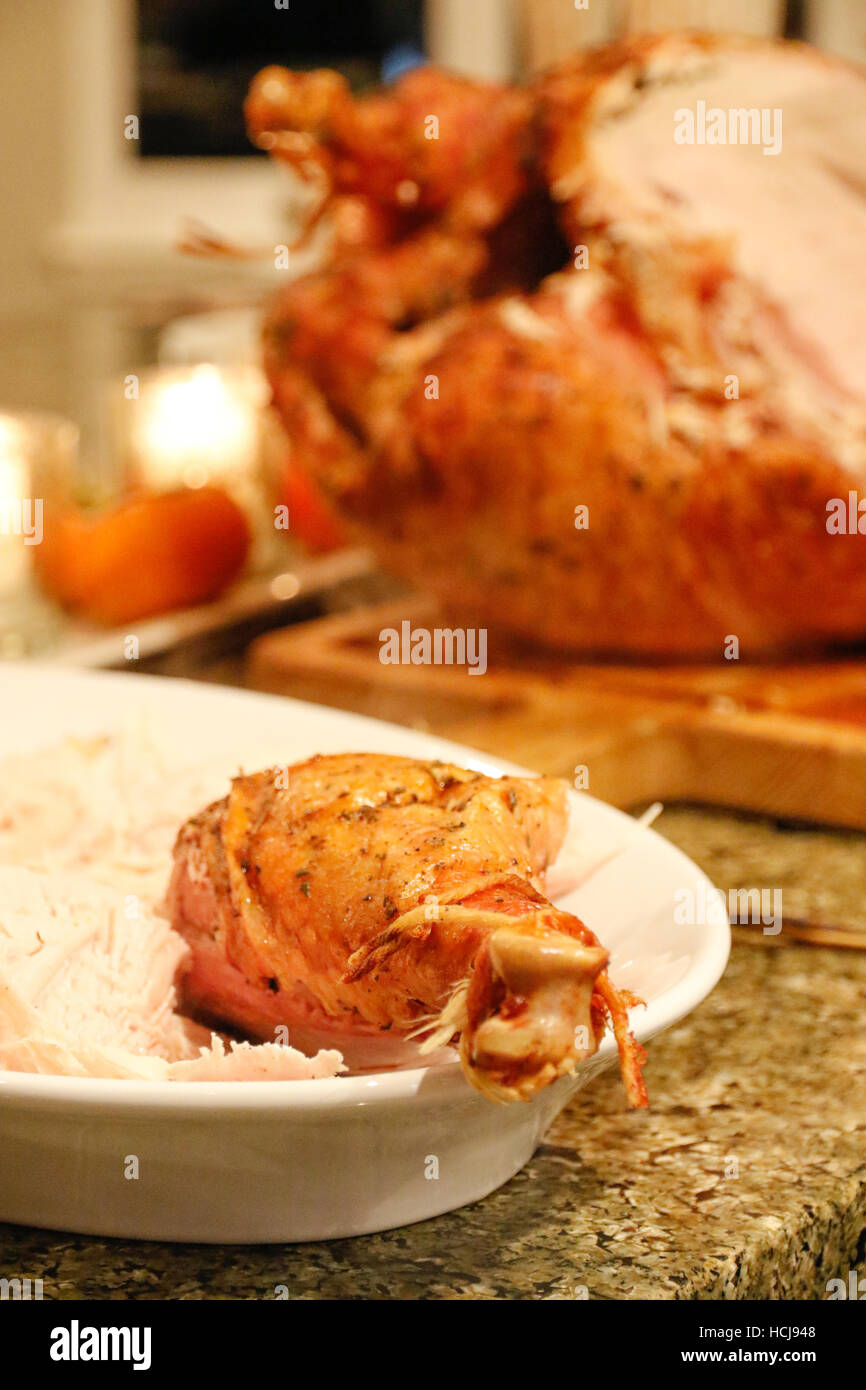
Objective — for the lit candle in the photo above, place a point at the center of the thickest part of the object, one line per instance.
(189, 427)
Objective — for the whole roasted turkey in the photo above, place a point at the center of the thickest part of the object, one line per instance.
(582, 379)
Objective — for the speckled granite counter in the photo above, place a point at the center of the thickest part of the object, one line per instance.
(746, 1179)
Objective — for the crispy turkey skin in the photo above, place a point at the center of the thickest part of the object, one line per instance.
(356, 894)
(637, 452)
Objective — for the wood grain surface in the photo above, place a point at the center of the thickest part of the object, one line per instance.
(784, 740)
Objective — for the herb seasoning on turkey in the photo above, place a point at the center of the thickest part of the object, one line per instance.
(421, 912)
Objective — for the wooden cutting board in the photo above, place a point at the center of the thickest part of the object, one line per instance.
(786, 740)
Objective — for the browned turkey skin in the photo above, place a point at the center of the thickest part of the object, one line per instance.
(694, 378)
(363, 895)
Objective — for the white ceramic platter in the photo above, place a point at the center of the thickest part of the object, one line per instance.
(309, 1160)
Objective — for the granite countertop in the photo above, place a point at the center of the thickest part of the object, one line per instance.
(746, 1178)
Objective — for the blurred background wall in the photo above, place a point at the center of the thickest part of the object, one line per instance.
(32, 180)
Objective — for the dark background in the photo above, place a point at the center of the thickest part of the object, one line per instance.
(196, 59)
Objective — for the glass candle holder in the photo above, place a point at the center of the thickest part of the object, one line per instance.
(38, 459)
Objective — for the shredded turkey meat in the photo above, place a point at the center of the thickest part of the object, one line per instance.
(87, 962)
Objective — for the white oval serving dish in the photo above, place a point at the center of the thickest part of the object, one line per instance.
(309, 1160)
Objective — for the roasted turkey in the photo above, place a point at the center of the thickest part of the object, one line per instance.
(362, 896)
(584, 380)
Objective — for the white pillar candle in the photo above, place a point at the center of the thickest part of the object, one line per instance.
(477, 39)
(14, 509)
(38, 455)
